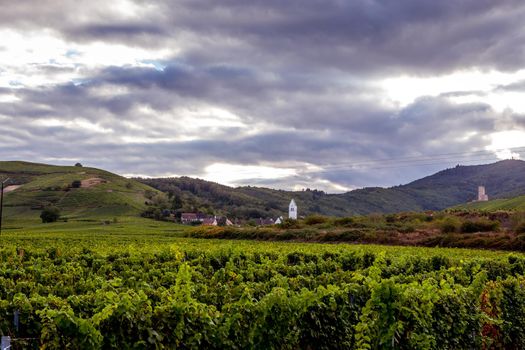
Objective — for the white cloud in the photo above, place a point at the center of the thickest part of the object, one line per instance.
(232, 174)
(38, 58)
(505, 143)
(406, 89)
(74, 124)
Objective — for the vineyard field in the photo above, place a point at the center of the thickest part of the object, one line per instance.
(142, 285)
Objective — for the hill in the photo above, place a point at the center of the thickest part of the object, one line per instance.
(516, 203)
(101, 193)
(104, 194)
(444, 189)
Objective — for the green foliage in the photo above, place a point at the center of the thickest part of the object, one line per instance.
(518, 222)
(289, 223)
(157, 207)
(480, 225)
(449, 225)
(50, 214)
(347, 221)
(146, 287)
(315, 219)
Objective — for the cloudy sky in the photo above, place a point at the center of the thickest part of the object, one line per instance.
(327, 94)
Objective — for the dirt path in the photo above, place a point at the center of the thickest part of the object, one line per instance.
(11, 188)
(92, 182)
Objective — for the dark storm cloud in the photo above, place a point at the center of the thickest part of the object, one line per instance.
(370, 36)
(428, 126)
(300, 77)
(423, 36)
(122, 31)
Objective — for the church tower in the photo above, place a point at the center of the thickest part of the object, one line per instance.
(292, 210)
(482, 196)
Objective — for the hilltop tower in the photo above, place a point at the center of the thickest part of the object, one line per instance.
(292, 210)
(482, 196)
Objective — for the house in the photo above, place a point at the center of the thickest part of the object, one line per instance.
(292, 210)
(279, 220)
(265, 222)
(205, 220)
(188, 218)
(223, 221)
(210, 221)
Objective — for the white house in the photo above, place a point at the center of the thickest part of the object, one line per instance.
(292, 210)
(279, 220)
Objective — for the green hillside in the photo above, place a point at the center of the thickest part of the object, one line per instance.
(244, 202)
(101, 194)
(105, 195)
(516, 203)
(442, 190)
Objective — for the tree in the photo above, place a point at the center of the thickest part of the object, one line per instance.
(160, 200)
(149, 194)
(78, 164)
(76, 184)
(50, 214)
(177, 202)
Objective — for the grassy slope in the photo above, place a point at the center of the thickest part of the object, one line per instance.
(45, 184)
(516, 203)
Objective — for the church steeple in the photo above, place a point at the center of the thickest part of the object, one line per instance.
(292, 210)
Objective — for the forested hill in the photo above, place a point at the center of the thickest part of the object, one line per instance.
(442, 190)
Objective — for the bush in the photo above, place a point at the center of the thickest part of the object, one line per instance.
(520, 228)
(481, 225)
(50, 214)
(78, 165)
(289, 223)
(518, 222)
(343, 221)
(449, 225)
(76, 184)
(315, 219)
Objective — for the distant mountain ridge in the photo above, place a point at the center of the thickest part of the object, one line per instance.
(104, 193)
(450, 187)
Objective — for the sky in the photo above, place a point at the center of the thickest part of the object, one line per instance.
(332, 94)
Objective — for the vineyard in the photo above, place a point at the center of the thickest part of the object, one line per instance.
(158, 290)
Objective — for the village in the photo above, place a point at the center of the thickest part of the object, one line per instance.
(214, 220)
(203, 219)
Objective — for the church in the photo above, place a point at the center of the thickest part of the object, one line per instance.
(292, 210)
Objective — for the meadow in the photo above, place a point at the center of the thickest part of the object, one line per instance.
(141, 284)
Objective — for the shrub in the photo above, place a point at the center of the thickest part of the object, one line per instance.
(391, 218)
(50, 214)
(78, 165)
(481, 225)
(520, 228)
(289, 223)
(518, 222)
(449, 225)
(315, 219)
(76, 184)
(343, 221)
